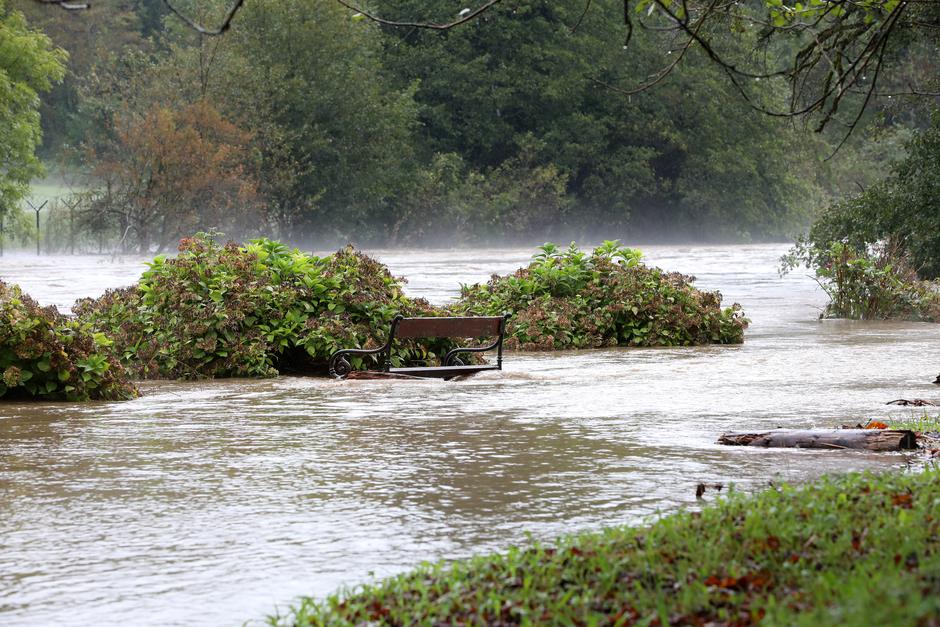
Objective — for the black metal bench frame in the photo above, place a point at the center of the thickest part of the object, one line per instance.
(451, 364)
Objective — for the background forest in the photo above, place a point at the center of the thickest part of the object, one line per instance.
(308, 123)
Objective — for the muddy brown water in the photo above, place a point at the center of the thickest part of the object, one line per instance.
(218, 502)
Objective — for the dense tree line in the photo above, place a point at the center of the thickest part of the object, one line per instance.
(310, 123)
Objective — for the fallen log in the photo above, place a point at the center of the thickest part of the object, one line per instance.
(865, 439)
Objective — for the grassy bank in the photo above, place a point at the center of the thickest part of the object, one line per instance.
(855, 549)
(925, 423)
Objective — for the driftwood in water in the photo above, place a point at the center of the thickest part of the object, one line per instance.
(915, 402)
(867, 439)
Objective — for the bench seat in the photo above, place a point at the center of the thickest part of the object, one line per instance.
(451, 365)
(443, 372)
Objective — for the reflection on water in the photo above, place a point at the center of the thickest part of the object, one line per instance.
(215, 502)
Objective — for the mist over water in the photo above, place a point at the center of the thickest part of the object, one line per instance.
(215, 502)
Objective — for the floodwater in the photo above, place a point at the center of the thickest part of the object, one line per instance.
(214, 503)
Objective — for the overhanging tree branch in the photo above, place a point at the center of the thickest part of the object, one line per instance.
(212, 32)
(464, 17)
(845, 43)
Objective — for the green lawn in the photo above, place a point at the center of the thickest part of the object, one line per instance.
(53, 186)
(859, 549)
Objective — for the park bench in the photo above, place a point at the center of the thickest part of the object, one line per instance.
(416, 328)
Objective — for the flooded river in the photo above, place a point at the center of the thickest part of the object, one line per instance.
(213, 503)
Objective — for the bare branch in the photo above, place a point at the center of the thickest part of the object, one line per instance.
(211, 32)
(464, 17)
(627, 22)
(665, 71)
(846, 48)
(864, 105)
(913, 92)
(587, 7)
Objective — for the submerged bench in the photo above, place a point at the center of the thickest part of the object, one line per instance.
(451, 364)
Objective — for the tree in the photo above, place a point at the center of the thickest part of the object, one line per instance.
(333, 135)
(29, 65)
(529, 112)
(167, 174)
(900, 214)
(828, 52)
(92, 38)
(522, 85)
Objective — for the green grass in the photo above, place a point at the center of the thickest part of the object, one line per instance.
(859, 549)
(48, 190)
(920, 424)
(56, 184)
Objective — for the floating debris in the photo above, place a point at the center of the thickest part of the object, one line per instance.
(916, 402)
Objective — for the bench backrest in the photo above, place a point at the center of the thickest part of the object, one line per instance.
(449, 327)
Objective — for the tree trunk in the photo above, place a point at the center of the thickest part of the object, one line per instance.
(867, 439)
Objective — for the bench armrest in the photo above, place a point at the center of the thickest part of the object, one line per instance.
(340, 366)
(451, 356)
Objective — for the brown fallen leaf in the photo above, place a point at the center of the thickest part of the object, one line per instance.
(904, 501)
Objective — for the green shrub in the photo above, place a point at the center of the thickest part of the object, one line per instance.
(253, 310)
(260, 309)
(45, 355)
(877, 283)
(572, 299)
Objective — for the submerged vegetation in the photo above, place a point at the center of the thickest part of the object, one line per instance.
(260, 309)
(44, 355)
(567, 298)
(877, 283)
(859, 549)
(251, 311)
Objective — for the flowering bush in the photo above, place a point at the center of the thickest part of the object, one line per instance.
(44, 355)
(572, 299)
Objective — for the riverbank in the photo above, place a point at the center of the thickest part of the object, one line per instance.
(853, 549)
